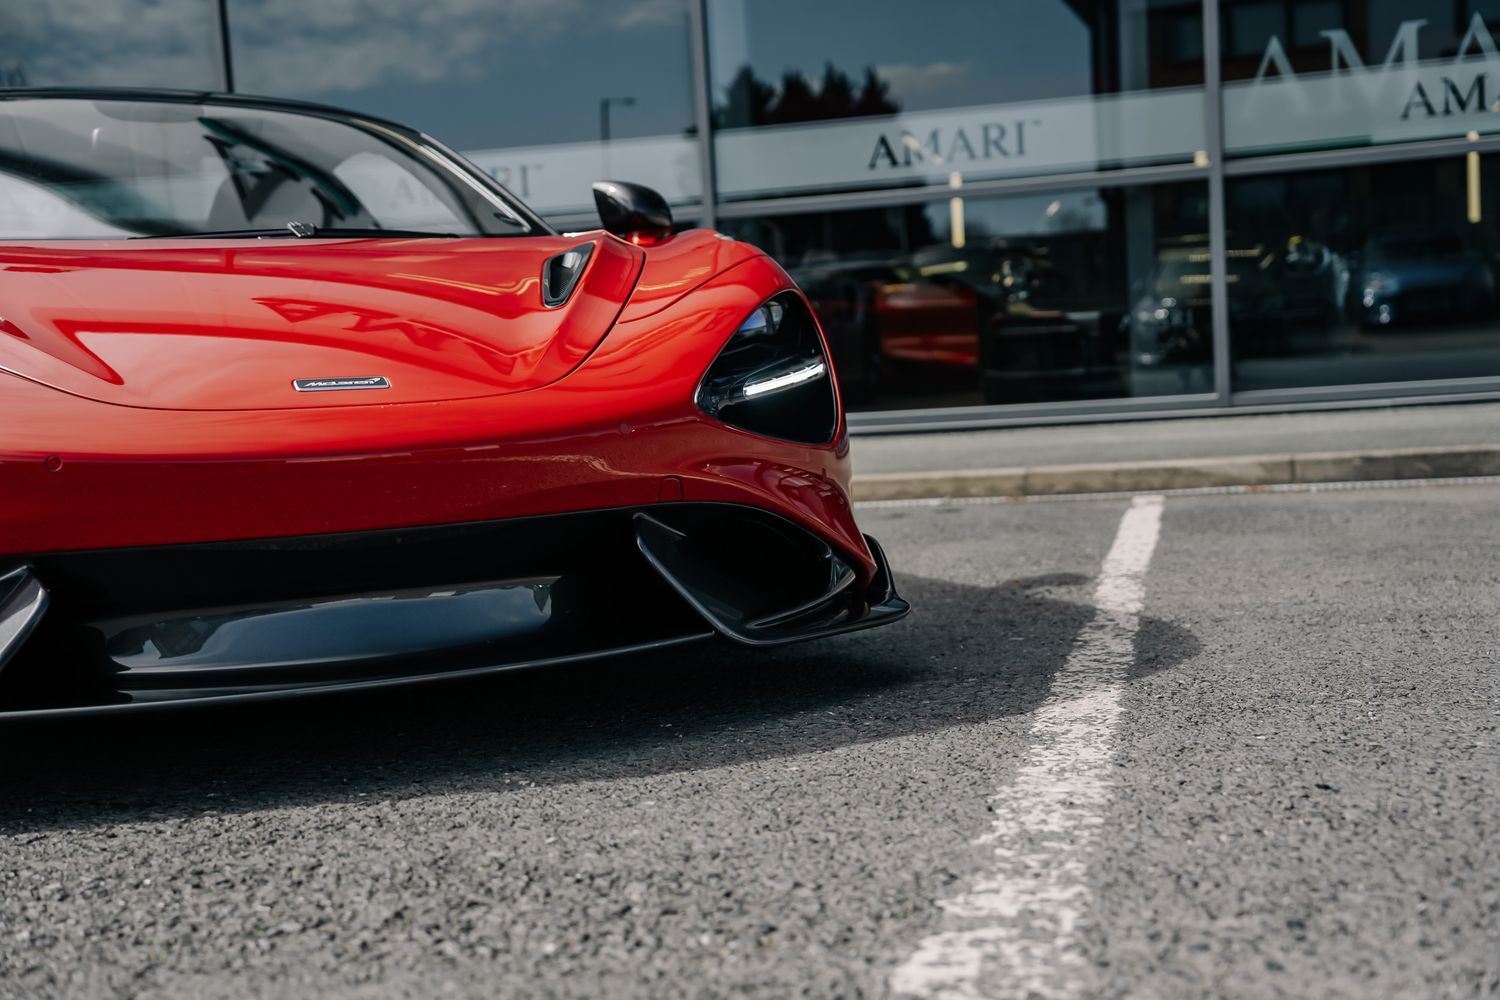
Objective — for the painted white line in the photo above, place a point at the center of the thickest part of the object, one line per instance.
(1015, 933)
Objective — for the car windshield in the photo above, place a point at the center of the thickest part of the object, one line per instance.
(103, 169)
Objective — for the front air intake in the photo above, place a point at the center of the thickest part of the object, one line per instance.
(773, 377)
(23, 601)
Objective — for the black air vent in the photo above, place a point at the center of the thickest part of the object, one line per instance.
(561, 272)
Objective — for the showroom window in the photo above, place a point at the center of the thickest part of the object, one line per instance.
(546, 97)
(866, 95)
(111, 43)
(1366, 274)
(1044, 297)
(990, 202)
(1307, 74)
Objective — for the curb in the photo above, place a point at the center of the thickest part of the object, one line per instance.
(1128, 477)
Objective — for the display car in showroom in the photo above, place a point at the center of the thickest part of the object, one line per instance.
(293, 400)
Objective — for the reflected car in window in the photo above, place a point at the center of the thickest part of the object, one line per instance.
(1169, 329)
(1314, 281)
(889, 320)
(1053, 334)
(1425, 275)
(846, 297)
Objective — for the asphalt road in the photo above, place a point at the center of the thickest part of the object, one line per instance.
(1228, 746)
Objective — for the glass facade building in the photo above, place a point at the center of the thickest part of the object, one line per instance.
(1003, 210)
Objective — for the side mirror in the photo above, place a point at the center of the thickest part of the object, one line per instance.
(633, 212)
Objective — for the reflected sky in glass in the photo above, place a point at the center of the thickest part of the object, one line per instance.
(475, 73)
(941, 53)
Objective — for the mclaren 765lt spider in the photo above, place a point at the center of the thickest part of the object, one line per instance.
(294, 399)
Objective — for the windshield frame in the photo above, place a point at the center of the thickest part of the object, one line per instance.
(439, 158)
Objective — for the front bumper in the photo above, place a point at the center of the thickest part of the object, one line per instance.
(120, 629)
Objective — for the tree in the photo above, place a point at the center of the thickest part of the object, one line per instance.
(797, 101)
(875, 98)
(836, 95)
(749, 101)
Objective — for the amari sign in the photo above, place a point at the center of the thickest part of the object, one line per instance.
(1398, 99)
(998, 140)
(1035, 137)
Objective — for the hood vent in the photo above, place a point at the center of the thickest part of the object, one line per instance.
(561, 272)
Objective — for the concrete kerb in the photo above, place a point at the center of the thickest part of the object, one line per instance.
(1244, 470)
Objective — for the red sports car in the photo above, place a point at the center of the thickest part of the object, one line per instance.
(294, 399)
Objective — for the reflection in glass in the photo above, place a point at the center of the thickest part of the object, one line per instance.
(1249, 24)
(491, 79)
(1035, 298)
(1367, 274)
(1309, 74)
(867, 95)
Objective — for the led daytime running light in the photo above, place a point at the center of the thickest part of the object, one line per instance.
(786, 381)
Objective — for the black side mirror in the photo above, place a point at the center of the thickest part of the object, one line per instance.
(633, 212)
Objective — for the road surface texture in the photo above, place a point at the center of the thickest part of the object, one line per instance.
(1186, 747)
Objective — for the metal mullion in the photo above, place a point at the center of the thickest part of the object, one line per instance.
(1218, 242)
(703, 110)
(886, 197)
(939, 416)
(1448, 388)
(1351, 156)
(986, 418)
(226, 59)
(1018, 415)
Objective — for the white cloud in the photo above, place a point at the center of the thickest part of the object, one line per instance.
(909, 79)
(650, 13)
(346, 45)
(307, 46)
(135, 42)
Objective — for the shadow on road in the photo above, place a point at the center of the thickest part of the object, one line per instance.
(966, 655)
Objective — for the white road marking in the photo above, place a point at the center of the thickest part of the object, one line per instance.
(1015, 933)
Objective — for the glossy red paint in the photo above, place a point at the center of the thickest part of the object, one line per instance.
(578, 423)
(680, 265)
(227, 324)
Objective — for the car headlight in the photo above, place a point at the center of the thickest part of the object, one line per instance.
(773, 376)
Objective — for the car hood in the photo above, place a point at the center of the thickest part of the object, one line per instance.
(231, 324)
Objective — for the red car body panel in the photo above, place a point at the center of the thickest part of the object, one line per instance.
(288, 435)
(194, 324)
(677, 266)
(100, 450)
